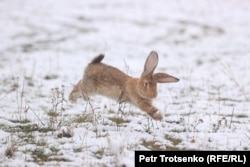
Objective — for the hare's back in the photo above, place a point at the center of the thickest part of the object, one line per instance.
(105, 73)
(105, 79)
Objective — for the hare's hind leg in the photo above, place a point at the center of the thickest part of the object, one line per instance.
(78, 92)
(150, 109)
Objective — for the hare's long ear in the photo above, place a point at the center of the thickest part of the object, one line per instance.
(150, 63)
(164, 78)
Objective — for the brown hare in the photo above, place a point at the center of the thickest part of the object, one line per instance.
(102, 79)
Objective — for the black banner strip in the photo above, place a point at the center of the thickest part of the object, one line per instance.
(193, 158)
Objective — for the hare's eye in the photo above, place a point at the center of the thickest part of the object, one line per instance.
(145, 84)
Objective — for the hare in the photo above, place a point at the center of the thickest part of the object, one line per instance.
(102, 79)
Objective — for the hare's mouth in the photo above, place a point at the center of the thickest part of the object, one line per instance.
(147, 95)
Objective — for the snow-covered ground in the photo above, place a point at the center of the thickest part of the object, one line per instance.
(45, 45)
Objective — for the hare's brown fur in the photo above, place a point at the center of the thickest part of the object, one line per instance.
(102, 79)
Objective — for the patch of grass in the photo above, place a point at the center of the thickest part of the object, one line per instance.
(152, 145)
(45, 129)
(178, 130)
(82, 119)
(99, 153)
(28, 128)
(23, 121)
(10, 150)
(54, 150)
(59, 159)
(77, 150)
(172, 148)
(118, 120)
(7, 128)
(27, 138)
(241, 116)
(53, 114)
(20, 128)
(68, 132)
(39, 155)
(41, 143)
(246, 149)
(173, 140)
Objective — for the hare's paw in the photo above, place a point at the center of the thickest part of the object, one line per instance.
(155, 114)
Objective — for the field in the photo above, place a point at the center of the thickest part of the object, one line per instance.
(47, 44)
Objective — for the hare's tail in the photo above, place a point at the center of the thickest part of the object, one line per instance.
(97, 59)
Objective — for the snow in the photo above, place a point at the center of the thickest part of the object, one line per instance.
(47, 44)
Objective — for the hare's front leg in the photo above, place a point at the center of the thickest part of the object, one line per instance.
(150, 109)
